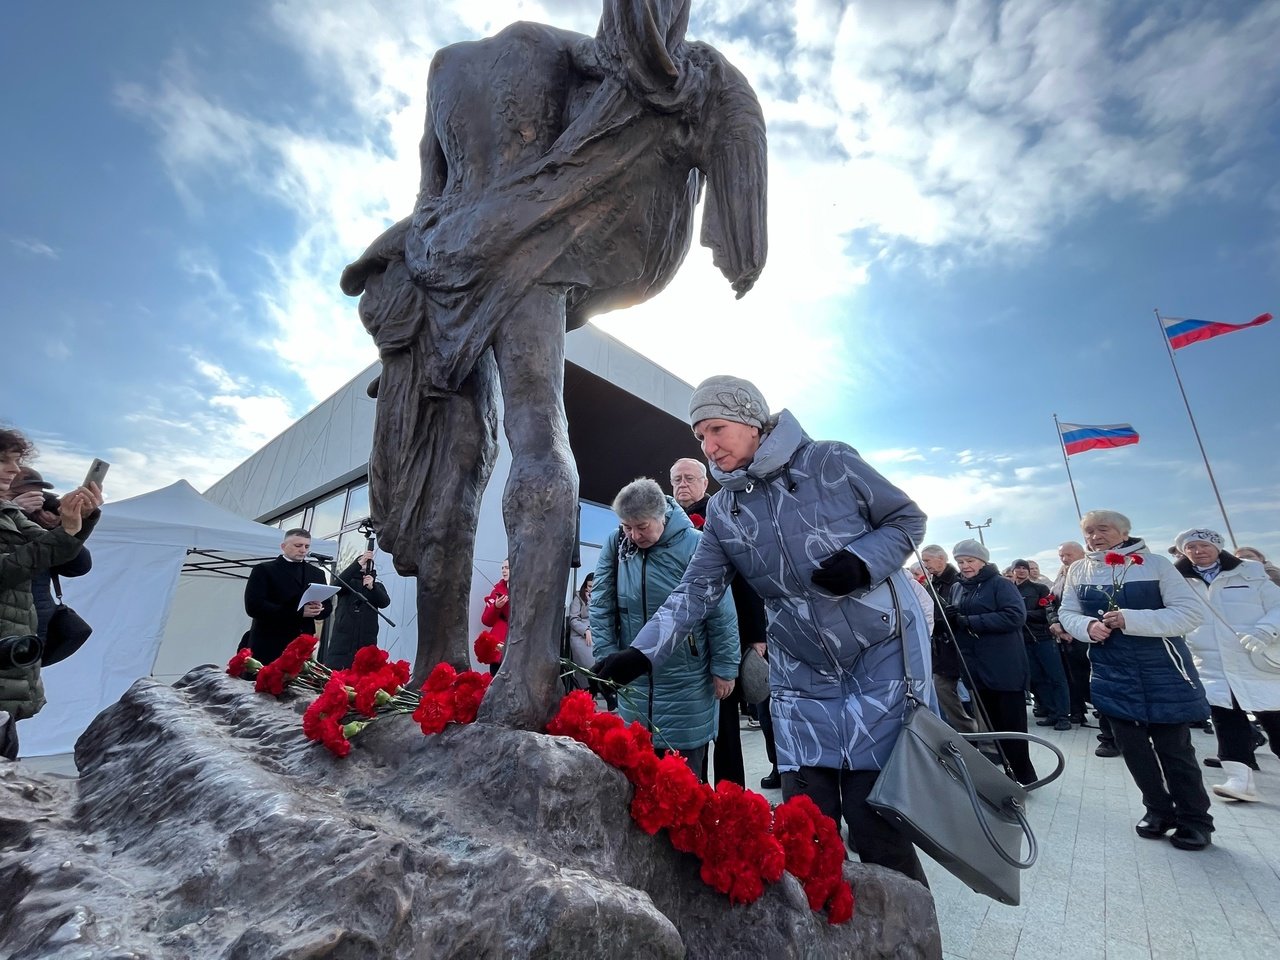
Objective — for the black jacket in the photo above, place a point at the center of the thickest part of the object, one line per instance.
(1037, 613)
(946, 659)
(992, 642)
(271, 597)
(355, 621)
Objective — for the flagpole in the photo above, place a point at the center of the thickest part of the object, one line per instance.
(1066, 462)
(1195, 429)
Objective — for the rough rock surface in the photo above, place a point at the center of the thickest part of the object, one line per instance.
(204, 825)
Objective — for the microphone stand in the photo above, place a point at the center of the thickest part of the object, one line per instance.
(371, 573)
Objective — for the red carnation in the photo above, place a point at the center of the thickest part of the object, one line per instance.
(1045, 601)
(434, 712)
(242, 662)
(698, 520)
(574, 716)
(368, 660)
(468, 691)
(271, 679)
(840, 906)
(1114, 559)
(1136, 559)
(440, 679)
(488, 648)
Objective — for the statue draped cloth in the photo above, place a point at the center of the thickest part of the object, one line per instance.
(560, 173)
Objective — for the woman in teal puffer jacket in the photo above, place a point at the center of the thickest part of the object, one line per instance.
(640, 564)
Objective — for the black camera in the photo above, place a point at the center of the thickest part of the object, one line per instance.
(52, 502)
(18, 653)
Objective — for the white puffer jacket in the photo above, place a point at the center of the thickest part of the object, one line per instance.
(1242, 595)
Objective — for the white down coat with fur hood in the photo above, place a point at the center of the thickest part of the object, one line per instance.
(1242, 595)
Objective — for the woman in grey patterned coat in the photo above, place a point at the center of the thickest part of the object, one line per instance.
(822, 538)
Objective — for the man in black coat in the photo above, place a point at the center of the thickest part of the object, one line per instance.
(355, 621)
(272, 595)
(946, 658)
(1048, 678)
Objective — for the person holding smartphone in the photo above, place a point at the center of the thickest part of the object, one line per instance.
(27, 548)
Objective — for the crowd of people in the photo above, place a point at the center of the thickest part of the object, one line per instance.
(818, 553)
(809, 559)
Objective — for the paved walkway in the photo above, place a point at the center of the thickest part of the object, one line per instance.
(1099, 891)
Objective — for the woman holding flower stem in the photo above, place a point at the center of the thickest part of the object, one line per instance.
(1135, 609)
(640, 564)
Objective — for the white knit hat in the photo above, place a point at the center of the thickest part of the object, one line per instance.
(1200, 533)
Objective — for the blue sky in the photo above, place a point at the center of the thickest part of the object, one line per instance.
(974, 208)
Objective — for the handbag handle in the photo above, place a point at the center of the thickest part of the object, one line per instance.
(1029, 738)
(1033, 848)
(57, 587)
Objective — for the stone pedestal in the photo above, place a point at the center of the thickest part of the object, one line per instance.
(204, 825)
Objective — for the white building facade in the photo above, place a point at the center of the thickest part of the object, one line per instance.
(627, 419)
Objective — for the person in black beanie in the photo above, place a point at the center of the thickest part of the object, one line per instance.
(272, 594)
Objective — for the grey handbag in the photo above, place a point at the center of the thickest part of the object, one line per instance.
(753, 673)
(953, 803)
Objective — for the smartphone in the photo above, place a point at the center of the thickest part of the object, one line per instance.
(97, 472)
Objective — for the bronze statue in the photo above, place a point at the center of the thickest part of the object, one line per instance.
(559, 178)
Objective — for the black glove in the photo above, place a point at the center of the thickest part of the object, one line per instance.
(622, 668)
(954, 617)
(842, 573)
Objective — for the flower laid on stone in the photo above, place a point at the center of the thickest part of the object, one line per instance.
(243, 664)
(450, 697)
(488, 648)
(743, 843)
(294, 665)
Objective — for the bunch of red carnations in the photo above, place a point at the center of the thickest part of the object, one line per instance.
(372, 686)
(294, 665)
(450, 697)
(742, 841)
(488, 648)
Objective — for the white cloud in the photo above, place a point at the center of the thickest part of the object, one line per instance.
(962, 128)
(33, 246)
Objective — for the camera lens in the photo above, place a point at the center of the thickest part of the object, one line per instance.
(20, 652)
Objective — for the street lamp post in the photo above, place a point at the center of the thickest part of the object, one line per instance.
(979, 527)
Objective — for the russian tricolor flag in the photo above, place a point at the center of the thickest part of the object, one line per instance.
(1183, 332)
(1079, 437)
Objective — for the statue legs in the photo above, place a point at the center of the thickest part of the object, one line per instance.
(538, 506)
(432, 457)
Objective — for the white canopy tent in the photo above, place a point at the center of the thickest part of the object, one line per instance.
(140, 576)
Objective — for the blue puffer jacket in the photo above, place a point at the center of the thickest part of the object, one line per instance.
(993, 644)
(835, 662)
(1145, 672)
(630, 585)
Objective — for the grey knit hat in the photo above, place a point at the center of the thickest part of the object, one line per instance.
(971, 548)
(728, 398)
